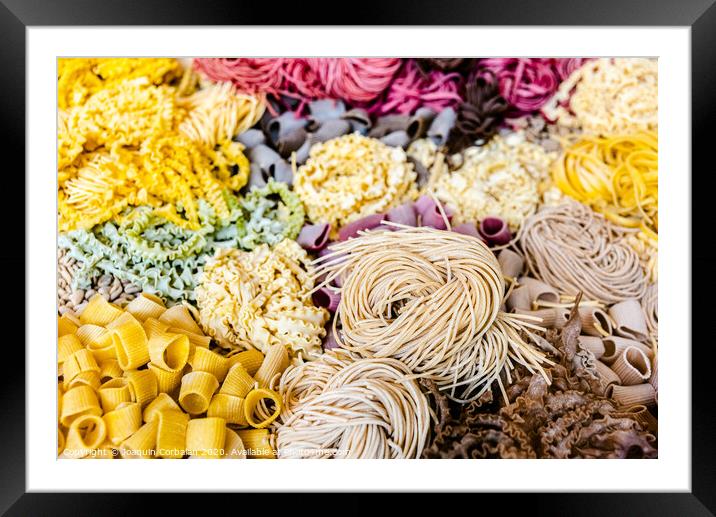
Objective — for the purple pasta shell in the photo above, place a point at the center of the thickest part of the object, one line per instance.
(467, 229)
(368, 222)
(327, 298)
(430, 214)
(495, 231)
(314, 237)
(403, 214)
(329, 342)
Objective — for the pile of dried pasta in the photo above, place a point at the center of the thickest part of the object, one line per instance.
(357, 258)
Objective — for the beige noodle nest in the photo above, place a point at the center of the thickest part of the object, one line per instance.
(430, 299)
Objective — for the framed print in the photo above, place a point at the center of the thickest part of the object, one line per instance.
(414, 250)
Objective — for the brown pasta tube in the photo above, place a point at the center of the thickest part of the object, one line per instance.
(539, 290)
(388, 124)
(358, 119)
(420, 122)
(629, 319)
(511, 263)
(593, 344)
(632, 366)
(551, 318)
(642, 415)
(607, 375)
(654, 379)
(520, 299)
(641, 394)
(595, 321)
(615, 345)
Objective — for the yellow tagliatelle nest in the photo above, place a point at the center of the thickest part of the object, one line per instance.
(352, 176)
(616, 175)
(257, 299)
(80, 78)
(143, 382)
(503, 178)
(607, 96)
(139, 144)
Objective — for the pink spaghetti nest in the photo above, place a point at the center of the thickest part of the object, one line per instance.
(355, 80)
(528, 83)
(413, 88)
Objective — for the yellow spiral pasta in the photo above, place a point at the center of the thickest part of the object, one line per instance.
(615, 175)
(122, 148)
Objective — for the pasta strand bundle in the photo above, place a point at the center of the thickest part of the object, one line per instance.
(431, 299)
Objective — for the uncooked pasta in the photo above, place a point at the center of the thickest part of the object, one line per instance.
(608, 96)
(431, 299)
(342, 406)
(615, 175)
(574, 249)
(352, 176)
(501, 178)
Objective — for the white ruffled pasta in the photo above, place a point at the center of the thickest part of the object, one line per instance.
(260, 298)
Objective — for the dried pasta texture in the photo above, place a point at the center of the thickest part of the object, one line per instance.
(431, 299)
(608, 96)
(389, 415)
(122, 148)
(574, 249)
(352, 176)
(80, 78)
(503, 178)
(615, 175)
(256, 299)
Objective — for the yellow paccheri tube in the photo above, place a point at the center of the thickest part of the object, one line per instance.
(140, 400)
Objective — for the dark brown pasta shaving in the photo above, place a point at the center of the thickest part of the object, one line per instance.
(567, 418)
(480, 116)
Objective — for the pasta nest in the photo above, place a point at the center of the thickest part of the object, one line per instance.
(607, 96)
(256, 299)
(349, 177)
(503, 178)
(123, 148)
(346, 407)
(430, 299)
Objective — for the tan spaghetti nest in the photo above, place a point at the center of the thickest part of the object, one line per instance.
(342, 406)
(574, 249)
(431, 299)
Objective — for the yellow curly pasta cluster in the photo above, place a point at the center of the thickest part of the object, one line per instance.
(217, 112)
(261, 298)
(143, 382)
(502, 178)
(616, 175)
(607, 96)
(80, 78)
(124, 147)
(352, 176)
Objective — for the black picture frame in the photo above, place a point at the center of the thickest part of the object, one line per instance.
(700, 15)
